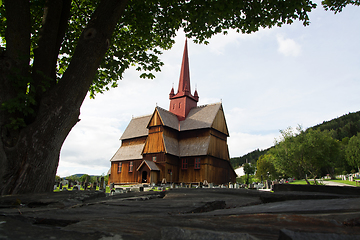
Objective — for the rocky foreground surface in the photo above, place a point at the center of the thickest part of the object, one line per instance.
(181, 213)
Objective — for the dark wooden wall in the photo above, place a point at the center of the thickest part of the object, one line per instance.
(125, 177)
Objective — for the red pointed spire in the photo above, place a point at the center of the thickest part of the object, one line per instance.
(183, 101)
(184, 81)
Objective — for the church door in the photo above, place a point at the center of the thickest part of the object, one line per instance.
(144, 176)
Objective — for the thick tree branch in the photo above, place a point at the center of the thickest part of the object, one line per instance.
(14, 63)
(91, 48)
(18, 31)
(55, 21)
(15, 60)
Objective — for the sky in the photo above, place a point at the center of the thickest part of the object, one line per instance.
(267, 81)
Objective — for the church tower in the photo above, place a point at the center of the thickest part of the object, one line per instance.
(183, 101)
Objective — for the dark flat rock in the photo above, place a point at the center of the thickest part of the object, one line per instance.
(179, 214)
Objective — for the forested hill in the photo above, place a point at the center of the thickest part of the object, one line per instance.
(347, 125)
(251, 157)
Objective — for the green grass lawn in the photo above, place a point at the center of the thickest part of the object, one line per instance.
(301, 182)
(337, 180)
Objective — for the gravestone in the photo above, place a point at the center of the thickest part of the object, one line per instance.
(102, 184)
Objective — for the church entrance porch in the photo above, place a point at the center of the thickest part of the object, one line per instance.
(147, 167)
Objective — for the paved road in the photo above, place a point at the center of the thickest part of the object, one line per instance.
(331, 183)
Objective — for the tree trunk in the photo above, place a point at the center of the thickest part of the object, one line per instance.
(29, 155)
(30, 166)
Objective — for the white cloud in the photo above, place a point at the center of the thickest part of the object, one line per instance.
(288, 47)
(243, 143)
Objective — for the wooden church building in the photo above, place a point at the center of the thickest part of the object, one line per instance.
(185, 144)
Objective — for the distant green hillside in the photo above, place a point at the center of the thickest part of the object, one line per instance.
(251, 157)
(347, 125)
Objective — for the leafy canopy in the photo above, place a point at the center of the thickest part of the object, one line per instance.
(338, 5)
(352, 151)
(305, 152)
(147, 27)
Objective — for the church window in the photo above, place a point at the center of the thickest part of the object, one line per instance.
(184, 164)
(131, 166)
(119, 167)
(154, 159)
(174, 106)
(197, 163)
(179, 104)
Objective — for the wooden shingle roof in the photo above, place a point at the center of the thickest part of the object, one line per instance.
(169, 119)
(129, 152)
(136, 128)
(151, 165)
(197, 146)
(200, 117)
(171, 145)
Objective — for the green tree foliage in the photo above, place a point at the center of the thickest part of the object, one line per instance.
(85, 178)
(57, 178)
(74, 178)
(338, 5)
(265, 169)
(251, 157)
(352, 152)
(54, 52)
(347, 125)
(342, 129)
(306, 153)
(248, 170)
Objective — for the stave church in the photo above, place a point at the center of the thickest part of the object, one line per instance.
(184, 144)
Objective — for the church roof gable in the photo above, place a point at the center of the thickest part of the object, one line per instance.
(151, 165)
(136, 128)
(169, 119)
(200, 117)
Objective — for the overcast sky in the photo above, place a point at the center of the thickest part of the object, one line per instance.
(267, 81)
